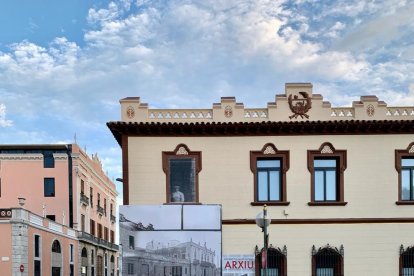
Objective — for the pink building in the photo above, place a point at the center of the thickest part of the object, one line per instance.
(67, 223)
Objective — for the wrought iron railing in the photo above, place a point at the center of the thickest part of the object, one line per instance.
(100, 210)
(113, 218)
(97, 241)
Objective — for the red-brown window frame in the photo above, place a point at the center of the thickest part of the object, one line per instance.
(166, 155)
(399, 154)
(340, 155)
(276, 154)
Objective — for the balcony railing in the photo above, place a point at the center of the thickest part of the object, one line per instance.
(100, 210)
(84, 199)
(86, 237)
(113, 218)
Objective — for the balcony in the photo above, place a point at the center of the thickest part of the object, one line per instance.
(86, 237)
(113, 218)
(84, 199)
(100, 210)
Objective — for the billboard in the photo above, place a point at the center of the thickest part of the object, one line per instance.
(171, 240)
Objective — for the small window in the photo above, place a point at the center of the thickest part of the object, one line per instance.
(404, 164)
(181, 167)
(92, 227)
(130, 269)
(48, 159)
(37, 246)
(131, 242)
(91, 197)
(92, 257)
(327, 166)
(269, 167)
(327, 261)
(51, 217)
(49, 187)
(276, 262)
(71, 252)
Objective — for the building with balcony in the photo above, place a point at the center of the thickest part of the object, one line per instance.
(337, 181)
(63, 188)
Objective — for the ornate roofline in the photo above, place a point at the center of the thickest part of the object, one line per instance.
(265, 128)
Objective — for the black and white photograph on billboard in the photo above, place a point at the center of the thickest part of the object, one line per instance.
(159, 217)
(151, 248)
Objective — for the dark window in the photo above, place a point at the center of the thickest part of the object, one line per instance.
(130, 268)
(82, 187)
(325, 179)
(106, 235)
(37, 268)
(105, 206)
(71, 268)
(92, 257)
(182, 167)
(92, 227)
(99, 230)
(91, 196)
(327, 261)
(276, 262)
(112, 236)
(56, 247)
(406, 261)
(99, 199)
(48, 160)
(82, 223)
(71, 252)
(131, 242)
(0, 187)
(269, 167)
(51, 217)
(84, 253)
(327, 166)
(49, 187)
(37, 246)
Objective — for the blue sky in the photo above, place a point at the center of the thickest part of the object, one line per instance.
(64, 65)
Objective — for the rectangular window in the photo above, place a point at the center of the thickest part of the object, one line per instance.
(48, 159)
(82, 187)
(83, 223)
(182, 179)
(407, 178)
(99, 199)
(131, 242)
(112, 236)
(91, 196)
(325, 179)
(268, 180)
(105, 206)
(37, 268)
(49, 187)
(0, 187)
(71, 252)
(37, 246)
(51, 217)
(106, 235)
(99, 230)
(130, 269)
(327, 166)
(181, 168)
(92, 227)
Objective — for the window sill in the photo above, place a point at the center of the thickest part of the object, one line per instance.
(404, 202)
(338, 203)
(182, 203)
(270, 203)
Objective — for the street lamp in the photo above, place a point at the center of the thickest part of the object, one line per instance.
(263, 221)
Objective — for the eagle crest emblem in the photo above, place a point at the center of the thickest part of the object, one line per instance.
(300, 106)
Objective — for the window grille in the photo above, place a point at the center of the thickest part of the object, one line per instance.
(327, 261)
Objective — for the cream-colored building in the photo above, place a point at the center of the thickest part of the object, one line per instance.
(338, 181)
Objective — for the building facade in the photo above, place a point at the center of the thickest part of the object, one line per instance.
(67, 207)
(337, 181)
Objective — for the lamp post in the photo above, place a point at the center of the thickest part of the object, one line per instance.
(263, 221)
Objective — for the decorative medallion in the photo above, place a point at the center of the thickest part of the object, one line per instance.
(370, 110)
(269, 150)
(130, 112)
(326, 149)
(228, 112)
(300, 106)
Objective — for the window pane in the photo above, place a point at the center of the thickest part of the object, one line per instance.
(319, 186)
(324, 163)
(37, 246)
(49, 187)
(408, 271)
(268, 163)
(182, 179)
(405, 184)
(407, 162)
(330, 185)
(262, 186)
(324, 272)
(274, 185)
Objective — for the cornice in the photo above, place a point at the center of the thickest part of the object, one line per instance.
(264, 128)
(21, 157)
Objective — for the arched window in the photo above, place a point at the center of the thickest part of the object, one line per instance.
(276, 261)
(56, 247)
(406, 261)
(327, 261)
(84, 253)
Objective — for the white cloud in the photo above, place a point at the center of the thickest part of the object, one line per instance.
(3, 121)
